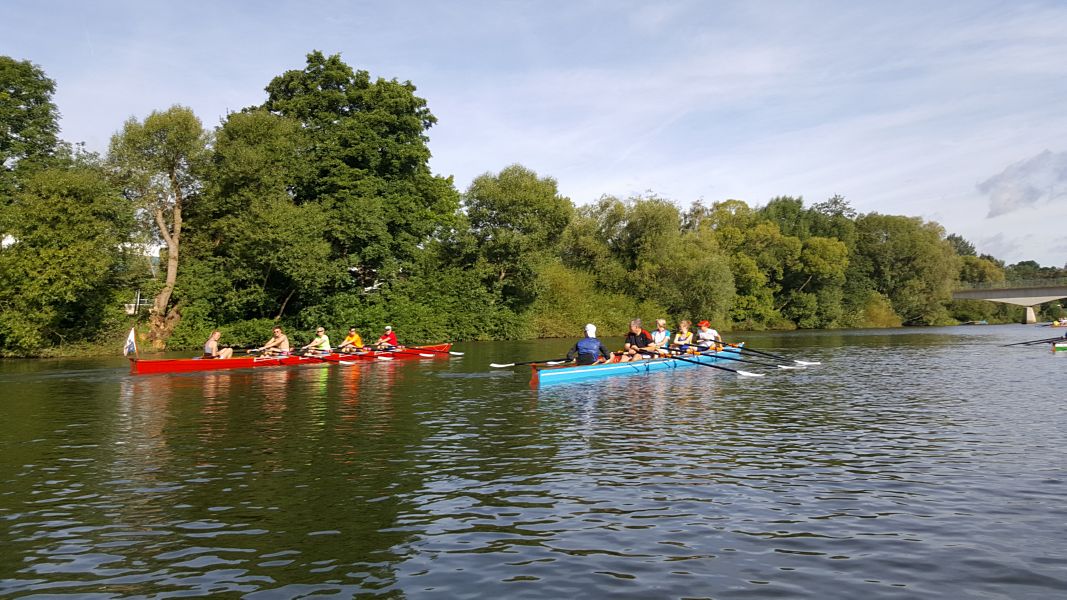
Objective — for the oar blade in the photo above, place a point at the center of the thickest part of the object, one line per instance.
(806, 363)
(455, 353)
(749, 373)
(384, 357)
(501, 365)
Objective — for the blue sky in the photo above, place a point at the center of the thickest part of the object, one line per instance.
(951, 111)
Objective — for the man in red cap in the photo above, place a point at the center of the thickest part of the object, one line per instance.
(707, 337)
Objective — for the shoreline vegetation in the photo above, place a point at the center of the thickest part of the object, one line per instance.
(318, 208)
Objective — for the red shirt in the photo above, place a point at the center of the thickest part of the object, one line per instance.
(389, 337)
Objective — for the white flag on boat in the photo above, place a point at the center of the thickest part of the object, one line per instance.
(131, 343)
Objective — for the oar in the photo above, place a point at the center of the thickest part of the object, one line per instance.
(413, 351)
(703, 364)
(1045, 341)
(550, 361)
(725, 356)
(768, 354)
(437, 351)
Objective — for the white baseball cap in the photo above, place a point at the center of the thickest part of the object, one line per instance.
(590, 330)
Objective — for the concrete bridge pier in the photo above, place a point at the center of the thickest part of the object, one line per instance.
(1030, 316)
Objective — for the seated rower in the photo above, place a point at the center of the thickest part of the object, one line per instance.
(321, 343)
(707, 338)
(684, 338)
(277, 344)
(589, 350)
(661, 336)
(387, 340)
(637, 340)
(211, 347)
(352, 342)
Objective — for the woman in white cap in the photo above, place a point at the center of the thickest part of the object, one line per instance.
(589, 350)
(387, 339)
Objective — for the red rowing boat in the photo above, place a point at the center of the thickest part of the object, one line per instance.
(186, 365)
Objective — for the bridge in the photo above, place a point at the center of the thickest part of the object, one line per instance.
(1020, 293)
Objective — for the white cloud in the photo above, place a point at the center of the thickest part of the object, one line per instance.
(1038, 180)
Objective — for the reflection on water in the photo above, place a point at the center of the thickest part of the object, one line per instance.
(910, 464)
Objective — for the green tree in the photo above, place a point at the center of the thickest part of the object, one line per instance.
(820, 270)
(160, 162)
(265, 248)
(961, 245)
(29, 120)
(60, 266)
(517, 219)
(789, 214)
(365, 161)
(908, 261)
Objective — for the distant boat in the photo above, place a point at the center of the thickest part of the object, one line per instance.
(982, 322)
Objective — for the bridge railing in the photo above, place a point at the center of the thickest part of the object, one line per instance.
(1010, 285)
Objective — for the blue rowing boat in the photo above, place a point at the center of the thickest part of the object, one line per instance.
(548, 375)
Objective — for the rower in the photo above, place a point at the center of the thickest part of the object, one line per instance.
(707, 337)
(352, 342)
(684, 338)
(637, 340)
(321, 343)
(277, 344)
(589, 350)
(387, 340)
(661, 336)
(211, 347)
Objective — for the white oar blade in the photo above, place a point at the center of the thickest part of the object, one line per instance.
(806, 363)
(424, 355)
(456, 353)
(501, 366)
(749, 373)
(789, 367)
(384, 358)
(555, 362)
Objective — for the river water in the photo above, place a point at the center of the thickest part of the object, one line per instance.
(909, 464)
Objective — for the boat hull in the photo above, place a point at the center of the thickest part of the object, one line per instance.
(188, 365)
(544, 375)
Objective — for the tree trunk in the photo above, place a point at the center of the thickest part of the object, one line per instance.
(800, 289)
(284, 303)
(162, 321)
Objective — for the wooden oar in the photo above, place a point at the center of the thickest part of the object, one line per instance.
(550, 361)
(725, 356)
(703, 364)
(1044, 341)
(768, 354)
